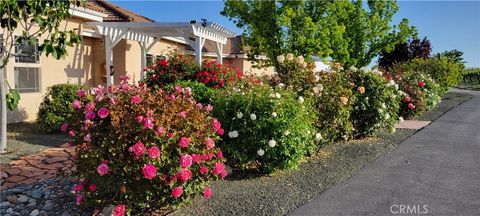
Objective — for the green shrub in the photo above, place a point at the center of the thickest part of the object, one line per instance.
(267, 128)
(376, 105)
(420, 93)
(445, 73)
(334, 106)
(140, 150)
(56, 106)
(200, 92)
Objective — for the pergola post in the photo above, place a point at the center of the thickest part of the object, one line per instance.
(219, 53)
(198, 49)
(143, 60)
(108, 60)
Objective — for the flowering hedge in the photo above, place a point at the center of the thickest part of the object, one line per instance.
(376, 105)
(334, 105)
(265, 128)
(419, 92)
(181, 68)
(137, 149)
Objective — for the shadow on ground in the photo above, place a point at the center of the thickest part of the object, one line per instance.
(26, 138)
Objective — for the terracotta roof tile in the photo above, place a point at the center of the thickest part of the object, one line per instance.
(115, 13)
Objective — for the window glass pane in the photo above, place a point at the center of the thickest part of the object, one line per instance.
(26, 52)
(160, 57)
(149, 59)
(27, 79)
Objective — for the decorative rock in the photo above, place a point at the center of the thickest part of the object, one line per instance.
(4, 204)
(12, 198)
(37, 193)
(48, 206)
(22, 199)
(34, 212)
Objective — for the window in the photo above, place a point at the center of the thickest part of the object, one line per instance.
(151, 59)
(27, 79)
(26, 52)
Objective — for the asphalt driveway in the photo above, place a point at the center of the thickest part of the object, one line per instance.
(434, 172)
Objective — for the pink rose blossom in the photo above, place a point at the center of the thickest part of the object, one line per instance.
(220, 131)
(79, 199)
(71, 133)
(177, 192)
(148, 123)
(78, 187)
(87, 138)
(216, 125)
(171, 97)
(136, 99)
(149, 171)
(103, 112)
(92, 187)
(184, 175)
(219, 154)
(154, 152)
(182, 114)
(139, 118)
(113, 101)
(203, 170)
(209, 143)
(112, 89)
(138, 149)
(186, 161)
(89, 115)
(188, 91)
(90, 106)
(81, 93)
(160, 131)
(150, 113)
(207, 156)
(124, 78)
(196, 158)
(184, 142)
(199, 106)
(64, 127)
(103, 169)
(99, 97)
(209, 108)
(218, 168)
(119, 210)
(77, 104)
(207, 193)
(178, 89)
(170, 135)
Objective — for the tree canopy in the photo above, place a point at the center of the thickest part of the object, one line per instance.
(349, 32)
(403, 52)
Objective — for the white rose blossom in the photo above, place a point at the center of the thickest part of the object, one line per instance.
(400, 119)
(289, 56)
(286, 133)
(281, 85)
(318, 136)
(272, 143)
(300, 60)
(233, 134)
(239, 115)
(253, 116)
(301, 100)
(280, 59)
(274, 114)
(260, 152)
(278, 95)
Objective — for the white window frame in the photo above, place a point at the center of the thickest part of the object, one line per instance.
(36, 65)
(156, 57)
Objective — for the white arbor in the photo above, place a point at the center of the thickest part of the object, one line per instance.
(147, 34)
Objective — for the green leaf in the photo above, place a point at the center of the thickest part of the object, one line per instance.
(13, 98)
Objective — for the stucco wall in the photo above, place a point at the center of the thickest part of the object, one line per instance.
(75, 68)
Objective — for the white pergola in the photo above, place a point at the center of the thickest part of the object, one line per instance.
(147, 34)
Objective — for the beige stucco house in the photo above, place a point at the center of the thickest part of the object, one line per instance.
(86, 63)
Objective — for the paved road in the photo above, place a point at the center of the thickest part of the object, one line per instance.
(437, 170)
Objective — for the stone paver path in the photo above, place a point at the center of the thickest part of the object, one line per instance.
(32, 168)
(412, 124)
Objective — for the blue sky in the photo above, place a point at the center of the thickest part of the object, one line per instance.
(448, 24)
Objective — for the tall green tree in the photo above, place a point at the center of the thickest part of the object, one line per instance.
(351, 32)
(23, 22)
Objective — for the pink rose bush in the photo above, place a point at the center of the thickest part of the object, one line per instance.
(138, 148)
